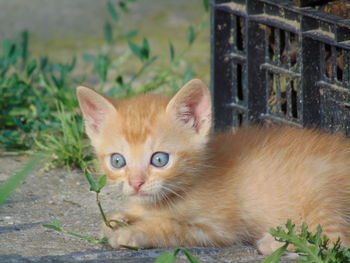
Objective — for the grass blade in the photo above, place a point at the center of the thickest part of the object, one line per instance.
(131, 247)
(189, 256)
(166, 257)
(276, 256)
(190, 35)
(112, 11)
(101, 182)
(119, 223)
(92, 240)
(24, 46)
(93, 186)
(52, 227)
(7, 46)
(135, 50)
(172, 51)
(31, 67)
(206, 5)
(145, 49)
(129, 34)
(11, 184)
(123, 6)
(108, 32)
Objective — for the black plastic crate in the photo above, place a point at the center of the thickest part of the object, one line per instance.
(273, 62)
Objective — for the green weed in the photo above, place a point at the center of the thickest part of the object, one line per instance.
(312, 248)
(55, 225)
(94, 187)
(97, 189)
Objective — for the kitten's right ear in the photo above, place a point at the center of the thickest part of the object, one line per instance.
(191, 107)
(95, 109)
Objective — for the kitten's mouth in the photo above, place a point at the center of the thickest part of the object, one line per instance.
(140, 194)
(142, 197)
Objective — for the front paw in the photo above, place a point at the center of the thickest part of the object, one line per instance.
(108, 231)
(128, 237)
(267, 244)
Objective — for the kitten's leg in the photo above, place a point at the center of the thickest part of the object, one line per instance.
(267, 244)
(131, 216)
(169, 232)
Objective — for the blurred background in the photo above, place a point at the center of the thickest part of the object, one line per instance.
(64, 28)
(119, 47)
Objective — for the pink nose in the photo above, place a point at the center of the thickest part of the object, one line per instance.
(136, 185)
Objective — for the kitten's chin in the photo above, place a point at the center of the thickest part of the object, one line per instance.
(143, 198)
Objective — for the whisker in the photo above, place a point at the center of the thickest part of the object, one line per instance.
(172, 191)
(174, 186)
(166, 199)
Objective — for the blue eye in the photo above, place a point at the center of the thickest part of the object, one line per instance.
(117, 160)
(159, 159)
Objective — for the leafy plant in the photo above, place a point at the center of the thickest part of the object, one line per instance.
(97, 189)
(312, 248)
(55, 225)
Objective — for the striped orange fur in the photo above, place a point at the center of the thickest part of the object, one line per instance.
(216, 189)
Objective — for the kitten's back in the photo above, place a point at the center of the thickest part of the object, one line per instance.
(282, 173)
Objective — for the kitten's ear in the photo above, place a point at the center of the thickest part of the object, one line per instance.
(95, 109)
(192, 106)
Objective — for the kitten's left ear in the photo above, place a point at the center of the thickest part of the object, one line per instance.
(95, 108)
(191, 106)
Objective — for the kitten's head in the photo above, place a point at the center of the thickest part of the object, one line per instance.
(153, 144)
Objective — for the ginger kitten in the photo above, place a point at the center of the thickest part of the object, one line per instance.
(188, 187)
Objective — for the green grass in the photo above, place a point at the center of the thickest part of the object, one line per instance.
(28, 88)
(67, 146)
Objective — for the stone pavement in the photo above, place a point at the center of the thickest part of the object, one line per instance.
(65, 195)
